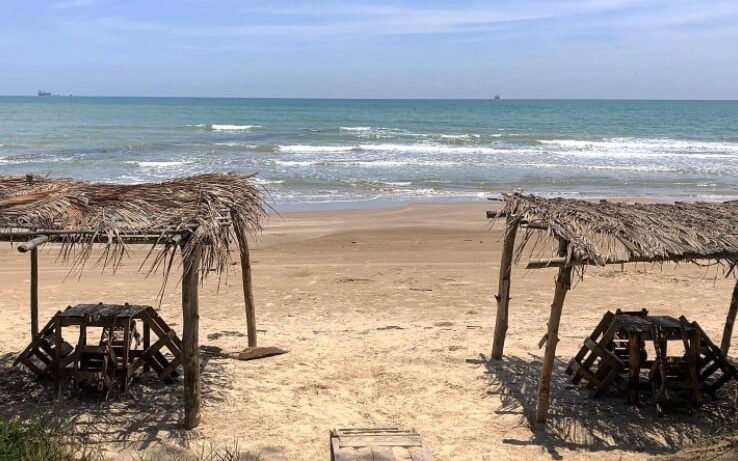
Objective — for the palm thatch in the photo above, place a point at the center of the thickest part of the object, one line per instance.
(606, 232)
(199, 211)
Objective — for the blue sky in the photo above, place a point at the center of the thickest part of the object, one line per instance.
(372, 49)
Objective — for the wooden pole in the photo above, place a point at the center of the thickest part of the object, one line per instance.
(190, 346)
(503, 293)
(563, 283)
(33, 244)
(248, 291)
(730, 321)
(34, 293)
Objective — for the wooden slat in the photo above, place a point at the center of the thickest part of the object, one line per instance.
(171, 368)
(371, 430)
(370, 441)
(606, 338)
(370, 444)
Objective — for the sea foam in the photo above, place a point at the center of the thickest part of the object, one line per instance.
(215, 127)
(224, 127)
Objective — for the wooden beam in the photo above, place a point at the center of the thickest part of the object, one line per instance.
(730, 321)
(153, 236)
(32, 244)
(503, 291)
(521, 222)
(248, 292)
(85, 237)
(548, 262)
(560, 261)
(34, 293)
(563, 284)
(190, 337)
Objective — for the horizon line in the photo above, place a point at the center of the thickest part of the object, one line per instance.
(360, 99)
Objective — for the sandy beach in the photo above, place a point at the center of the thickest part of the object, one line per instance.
(387, 315)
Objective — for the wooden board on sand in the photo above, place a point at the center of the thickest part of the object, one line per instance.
(371, 444)
(250, 353)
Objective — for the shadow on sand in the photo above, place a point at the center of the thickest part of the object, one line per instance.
(579, 421)
(151, 412)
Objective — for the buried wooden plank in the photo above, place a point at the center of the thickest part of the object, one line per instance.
(369, 441)
(386, 444)
(250, 353)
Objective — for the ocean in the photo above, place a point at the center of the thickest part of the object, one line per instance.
(313, 154)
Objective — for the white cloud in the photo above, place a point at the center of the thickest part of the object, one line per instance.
(73, 4)
(372, 19)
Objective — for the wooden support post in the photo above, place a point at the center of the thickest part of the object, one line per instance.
(248, 292)
(34, 293)
(563, 283)
(190, 327)
(730, 321)
(503, 293)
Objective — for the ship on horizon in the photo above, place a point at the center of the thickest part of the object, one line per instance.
(43, 93)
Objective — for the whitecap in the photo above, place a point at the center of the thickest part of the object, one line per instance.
(459, 136)
(154, 165)
(233, 127)
(307, 149)
(644, 147)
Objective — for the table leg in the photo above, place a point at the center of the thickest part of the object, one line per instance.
(634, 367)
(57, 354)
(146, 343)
(693, 357)
(664, 347)
(126, 349)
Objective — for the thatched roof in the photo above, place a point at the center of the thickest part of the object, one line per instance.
(605, 232)
(202, 210)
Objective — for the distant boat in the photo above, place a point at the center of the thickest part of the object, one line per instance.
(497, 96)
(43, 93)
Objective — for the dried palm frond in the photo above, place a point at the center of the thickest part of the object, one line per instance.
(203, 210)
(603, 232)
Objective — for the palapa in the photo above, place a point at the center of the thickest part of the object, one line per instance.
(600, 233)
(205, 216)
(607, 232)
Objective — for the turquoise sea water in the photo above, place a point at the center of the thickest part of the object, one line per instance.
(331, 153)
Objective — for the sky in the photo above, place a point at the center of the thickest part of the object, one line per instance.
(619, 49)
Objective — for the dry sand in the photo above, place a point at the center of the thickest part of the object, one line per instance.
(387, 315)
